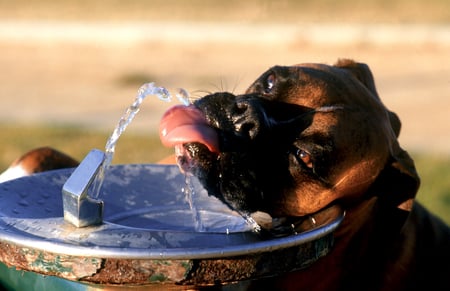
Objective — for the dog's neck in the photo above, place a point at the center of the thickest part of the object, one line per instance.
(371, 219)
(356, 219)
(361, 243)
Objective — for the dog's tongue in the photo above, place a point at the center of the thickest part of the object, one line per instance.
(184, 124)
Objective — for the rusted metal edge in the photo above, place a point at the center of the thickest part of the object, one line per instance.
(186, 272)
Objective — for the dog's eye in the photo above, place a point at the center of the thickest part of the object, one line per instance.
(270, 83)
(304, 157)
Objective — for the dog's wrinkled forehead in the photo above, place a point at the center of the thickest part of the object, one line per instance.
(314, 86)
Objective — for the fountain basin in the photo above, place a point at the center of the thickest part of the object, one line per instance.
(149, 234)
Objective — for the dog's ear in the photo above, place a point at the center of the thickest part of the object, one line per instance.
(401, 174)
(399, 180)
(363, 73)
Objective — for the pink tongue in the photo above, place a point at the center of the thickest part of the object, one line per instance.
(183, 124)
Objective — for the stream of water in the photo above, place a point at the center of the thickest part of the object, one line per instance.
(144, 91)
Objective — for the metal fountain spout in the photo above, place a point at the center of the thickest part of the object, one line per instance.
(79, 208)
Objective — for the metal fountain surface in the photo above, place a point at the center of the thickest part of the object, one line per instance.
(147, 233)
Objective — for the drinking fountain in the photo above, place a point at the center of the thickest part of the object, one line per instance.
(142, 232)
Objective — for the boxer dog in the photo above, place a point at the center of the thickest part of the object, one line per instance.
(303, 138)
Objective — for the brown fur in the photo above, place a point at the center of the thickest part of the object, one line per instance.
(386, 241)
(44, 159)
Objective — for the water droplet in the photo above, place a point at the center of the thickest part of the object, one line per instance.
(163, 94)
(256, 227)
(183, 95)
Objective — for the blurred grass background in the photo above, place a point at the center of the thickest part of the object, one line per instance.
(142, 147)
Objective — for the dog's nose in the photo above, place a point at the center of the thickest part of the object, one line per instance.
(249, 119)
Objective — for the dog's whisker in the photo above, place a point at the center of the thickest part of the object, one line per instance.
(215, 86)
(222, 84)
(197, 94)
(236, 84)
(220, 87)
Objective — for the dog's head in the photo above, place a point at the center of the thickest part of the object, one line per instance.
(300, 138)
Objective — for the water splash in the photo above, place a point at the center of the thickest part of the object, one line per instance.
(251, 221)
(145, 90)
(189, 192)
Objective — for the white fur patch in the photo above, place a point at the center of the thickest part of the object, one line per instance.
(13, 173)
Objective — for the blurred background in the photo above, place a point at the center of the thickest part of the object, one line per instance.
(69, 69)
